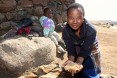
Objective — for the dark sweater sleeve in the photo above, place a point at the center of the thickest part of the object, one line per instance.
(85, 50)
(69, 44)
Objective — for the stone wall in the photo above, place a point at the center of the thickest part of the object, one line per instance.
(15, 10)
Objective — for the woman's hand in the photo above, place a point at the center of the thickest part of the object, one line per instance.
(72, 67)
(66, 63)
(80, 67)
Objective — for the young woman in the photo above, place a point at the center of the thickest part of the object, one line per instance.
(81, 43)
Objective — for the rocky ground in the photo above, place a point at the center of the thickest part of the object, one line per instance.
(107, 43)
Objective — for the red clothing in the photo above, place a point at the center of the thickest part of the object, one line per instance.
(24, 30)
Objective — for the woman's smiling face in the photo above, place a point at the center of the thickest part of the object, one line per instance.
(75, 18)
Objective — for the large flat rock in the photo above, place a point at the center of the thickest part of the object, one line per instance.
(19, 54)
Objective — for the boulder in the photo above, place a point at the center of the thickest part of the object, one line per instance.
(25, 4)
(19, 54)
(7, 5)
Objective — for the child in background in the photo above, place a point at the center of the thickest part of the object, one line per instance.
(49, 29)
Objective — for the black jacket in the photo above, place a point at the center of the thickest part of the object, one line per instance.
(81, 46)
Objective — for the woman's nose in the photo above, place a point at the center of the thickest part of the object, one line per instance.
(74, 21)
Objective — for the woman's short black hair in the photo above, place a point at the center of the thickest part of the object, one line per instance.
(76, 5)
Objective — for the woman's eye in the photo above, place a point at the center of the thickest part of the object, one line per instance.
(79, 17)
(71, 18)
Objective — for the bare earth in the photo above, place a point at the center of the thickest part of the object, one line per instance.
(108, 48)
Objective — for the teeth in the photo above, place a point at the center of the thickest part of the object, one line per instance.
(74, 26)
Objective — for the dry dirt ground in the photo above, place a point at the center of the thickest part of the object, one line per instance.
(108, 48)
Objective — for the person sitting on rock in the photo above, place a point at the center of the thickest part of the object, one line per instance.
(49, 29)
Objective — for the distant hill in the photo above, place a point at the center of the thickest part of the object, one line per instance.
(103, 22)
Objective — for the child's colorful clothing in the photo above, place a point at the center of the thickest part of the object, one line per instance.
(48, 31)
(47, 24)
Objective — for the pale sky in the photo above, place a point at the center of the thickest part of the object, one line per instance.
(100, 9)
